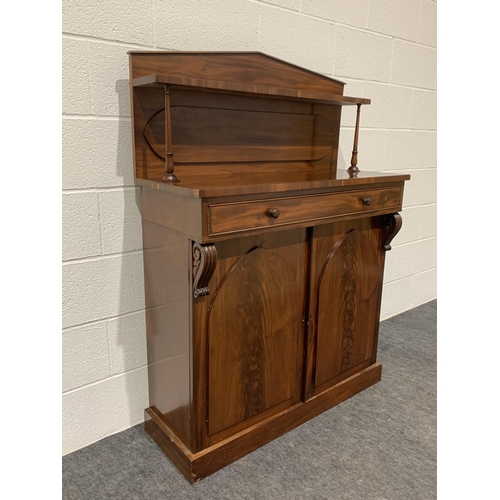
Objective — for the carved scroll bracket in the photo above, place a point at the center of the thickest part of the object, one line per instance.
(204, 264)
(390, 227)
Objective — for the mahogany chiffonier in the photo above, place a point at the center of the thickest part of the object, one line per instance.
(263, 263)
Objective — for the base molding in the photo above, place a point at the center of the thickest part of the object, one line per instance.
(196, 466)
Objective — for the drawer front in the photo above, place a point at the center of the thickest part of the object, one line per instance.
(249, 215)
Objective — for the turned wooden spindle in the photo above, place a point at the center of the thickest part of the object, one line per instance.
(169, 160)
(354, 157)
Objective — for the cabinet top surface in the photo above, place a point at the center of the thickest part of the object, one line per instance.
(229, 182)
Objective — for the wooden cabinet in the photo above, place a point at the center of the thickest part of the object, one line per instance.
(263, 263)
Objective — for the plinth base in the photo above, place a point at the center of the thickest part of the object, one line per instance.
(196, 466)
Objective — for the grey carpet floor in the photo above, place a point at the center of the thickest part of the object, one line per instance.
(380, 444)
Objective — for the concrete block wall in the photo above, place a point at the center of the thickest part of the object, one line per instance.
(382, 49)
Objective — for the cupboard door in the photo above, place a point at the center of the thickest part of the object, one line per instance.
(346, 283)
(254, 328)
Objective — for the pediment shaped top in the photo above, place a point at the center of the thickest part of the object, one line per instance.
(248, 68)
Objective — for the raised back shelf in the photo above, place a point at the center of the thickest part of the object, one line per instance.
(249, 68)
(219, 112)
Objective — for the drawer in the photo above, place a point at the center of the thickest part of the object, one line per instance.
(249, 215)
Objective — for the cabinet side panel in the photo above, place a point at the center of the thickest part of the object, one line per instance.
(145, 103)
(167, 324)
(178, 213)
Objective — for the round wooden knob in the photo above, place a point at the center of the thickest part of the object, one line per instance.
(274, 213)
(367, 201)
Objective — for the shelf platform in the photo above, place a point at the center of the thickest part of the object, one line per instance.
(201, 84)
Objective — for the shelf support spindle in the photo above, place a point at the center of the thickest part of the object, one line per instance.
(354, 157)
(169, 160)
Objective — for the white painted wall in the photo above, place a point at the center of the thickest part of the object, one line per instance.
(384, 49)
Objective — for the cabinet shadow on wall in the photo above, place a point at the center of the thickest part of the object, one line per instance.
(128, 336)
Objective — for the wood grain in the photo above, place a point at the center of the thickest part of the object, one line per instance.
(253, 329)
(247, 68)
(168, 156)
(231, 88)
(348, 290)
(196, 466)
(251, 275)
(354, 158)
(263, 265)
(223, 180)
(243, 216)
(346, 270)
(204, 264)
(211, 135)
(231, 130)
(391, 224)
(180, 214)
(145, 103)
(172, 446)
(167, 298)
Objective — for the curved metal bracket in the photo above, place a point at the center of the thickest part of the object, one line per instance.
(391, 225)
(204, 264)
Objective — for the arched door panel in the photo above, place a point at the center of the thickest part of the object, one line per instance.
(254, 329)
(346, 298)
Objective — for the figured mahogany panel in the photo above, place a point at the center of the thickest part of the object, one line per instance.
(208, 135)
(254, 330)
(346, 288)
(252, 68)
(252, 349)
(232, 129)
